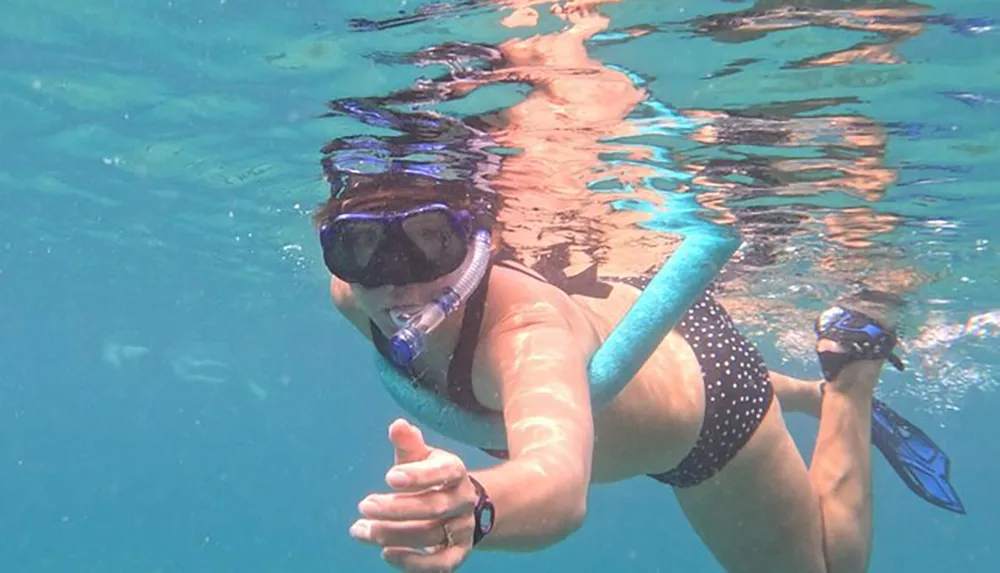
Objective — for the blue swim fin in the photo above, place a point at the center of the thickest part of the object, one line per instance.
(922, 465)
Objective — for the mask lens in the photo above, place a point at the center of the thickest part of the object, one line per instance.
(361, 239)
(350, 245)
(433, 233)
(411, 247)
(441, 236)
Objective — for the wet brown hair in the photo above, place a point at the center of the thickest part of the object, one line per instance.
(400, 190)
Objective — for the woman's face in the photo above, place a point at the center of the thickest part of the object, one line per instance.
(382, 303)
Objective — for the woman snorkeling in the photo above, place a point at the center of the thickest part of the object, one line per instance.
(700, 416)
(418, 266)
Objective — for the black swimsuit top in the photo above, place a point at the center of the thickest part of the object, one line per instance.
(459, 380)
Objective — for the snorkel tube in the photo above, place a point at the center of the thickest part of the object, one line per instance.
(411, 340)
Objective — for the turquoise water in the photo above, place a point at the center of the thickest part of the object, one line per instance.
(176, 392)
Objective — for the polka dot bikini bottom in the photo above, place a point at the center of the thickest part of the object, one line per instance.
(738, 391)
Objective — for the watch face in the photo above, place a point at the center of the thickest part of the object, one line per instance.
(486, 520)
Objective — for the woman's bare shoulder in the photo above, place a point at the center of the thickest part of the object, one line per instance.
(520, 300)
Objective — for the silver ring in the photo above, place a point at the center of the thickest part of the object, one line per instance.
(448, 539)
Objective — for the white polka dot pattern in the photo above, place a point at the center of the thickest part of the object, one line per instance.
(738, 391)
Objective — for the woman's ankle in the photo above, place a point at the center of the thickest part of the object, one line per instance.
(857, 379)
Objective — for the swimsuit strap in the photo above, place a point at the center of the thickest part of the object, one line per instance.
(459, 377)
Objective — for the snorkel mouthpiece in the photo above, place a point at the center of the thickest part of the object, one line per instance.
(411, 340)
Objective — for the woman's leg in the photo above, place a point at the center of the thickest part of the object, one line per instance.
(795, 395)
(841, 470)
(765, 511)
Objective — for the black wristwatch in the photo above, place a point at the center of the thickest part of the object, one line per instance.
(484, 513)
